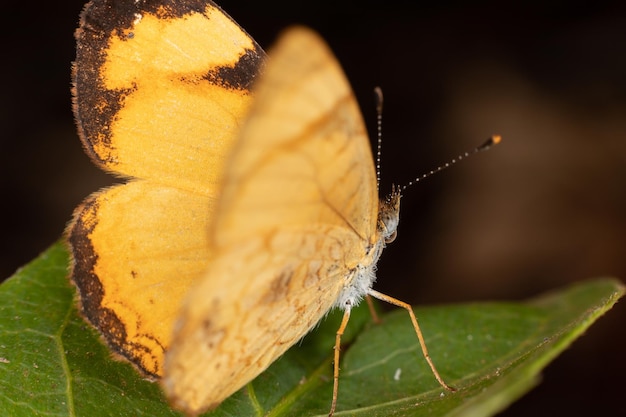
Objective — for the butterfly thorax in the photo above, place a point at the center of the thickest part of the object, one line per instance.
(362, 278)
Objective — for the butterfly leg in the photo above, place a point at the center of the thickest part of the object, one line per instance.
(416, 326)
(342, 328)
(370, 305)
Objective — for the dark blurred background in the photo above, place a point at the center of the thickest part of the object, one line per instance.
(544, 209)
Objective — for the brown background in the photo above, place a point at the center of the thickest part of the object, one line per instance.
(543, 209)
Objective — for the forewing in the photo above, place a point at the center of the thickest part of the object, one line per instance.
(295, 217)
(160, 88)
(303, 155)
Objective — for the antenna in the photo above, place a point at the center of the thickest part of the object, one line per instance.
(379, 132)
(378, 92)
(492, 141)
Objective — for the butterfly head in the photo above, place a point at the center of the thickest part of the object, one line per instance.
(389, 215)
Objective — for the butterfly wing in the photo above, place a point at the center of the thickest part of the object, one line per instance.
(295, 217)
(160, 88)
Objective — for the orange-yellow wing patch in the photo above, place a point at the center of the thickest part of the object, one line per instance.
(160, 90)
(296, 217)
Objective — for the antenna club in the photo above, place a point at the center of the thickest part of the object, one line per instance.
(378, 92)
(492, 141)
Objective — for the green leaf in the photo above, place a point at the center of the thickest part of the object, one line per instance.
(53, 364)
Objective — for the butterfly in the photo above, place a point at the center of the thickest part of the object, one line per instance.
(249, 203)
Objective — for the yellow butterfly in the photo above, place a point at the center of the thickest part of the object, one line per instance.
(243, 218)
